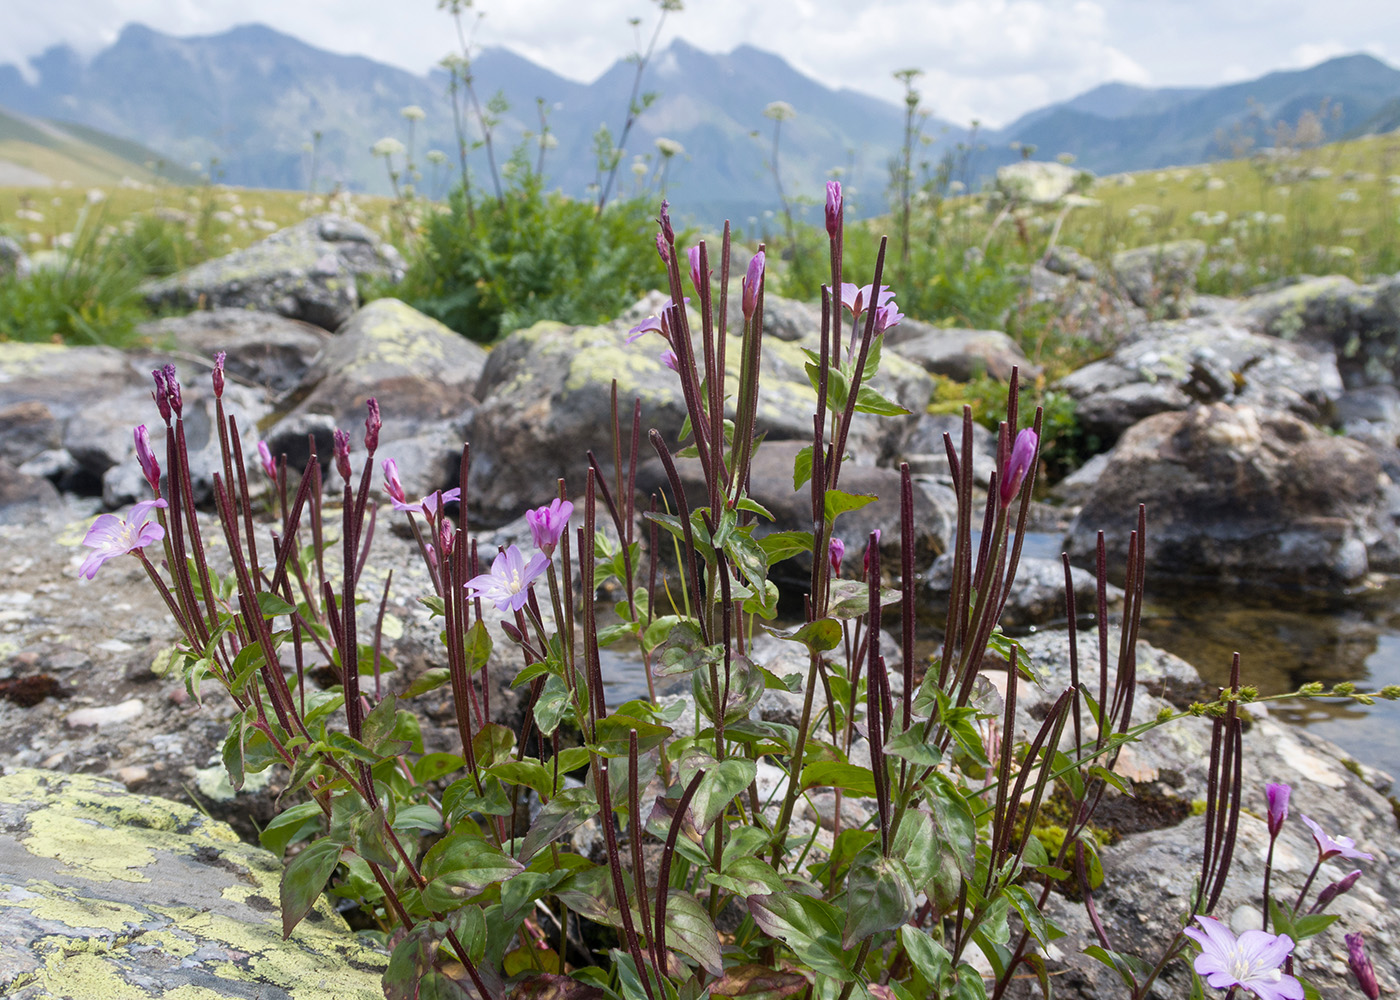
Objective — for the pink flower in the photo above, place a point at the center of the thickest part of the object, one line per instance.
(654, 324)
(887, 317)
(1277, 797)
(833, 207)
(753, 280)
(1361, 966)
(669, 359)
(548, 524)
(149, 466)
(857, 299)
(1022, 455)
(1328, 848)
(508, 584)
(1252, 960)
(428, 506)
(836, 551)
(111, 536)
(265, 456)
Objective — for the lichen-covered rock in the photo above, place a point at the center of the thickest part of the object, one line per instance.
(1174, 365)
(264, 349)
(108, 894)
(1161, 277)
(1236, 493)
(546, 399)
(1361, 323)
(307, 271)
(963, 355)
(422, 373)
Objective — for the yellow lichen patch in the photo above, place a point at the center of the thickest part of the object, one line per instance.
(86, 847)
(88, 975)
(66, 906)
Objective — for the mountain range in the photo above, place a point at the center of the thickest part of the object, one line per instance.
(244, 105)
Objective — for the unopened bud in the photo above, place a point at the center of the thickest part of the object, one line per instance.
(219, 374)
(342, 454)
(373, 423)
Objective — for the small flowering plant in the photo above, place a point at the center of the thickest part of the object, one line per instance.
(471, 863)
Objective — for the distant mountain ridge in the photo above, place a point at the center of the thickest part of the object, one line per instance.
(251, 98)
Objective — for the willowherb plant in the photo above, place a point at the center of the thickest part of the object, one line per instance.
(468, 862)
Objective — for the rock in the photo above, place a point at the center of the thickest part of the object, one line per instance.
(1161, 277)
(927, 454)
(545, 400)
(1037, 594)
(108, 894)
(423, 374)
(1069, 261)
(1090, 311)
(19, 490)
(1148, 870)
(107, 715)
(14, 262)
(26, 429)
(308, 272)
(1075, 488)
(1360, 323)
(1239, 494)
(1040, 182)
(963, 355)
(264, 349)
(1174, 365)
(64, 379)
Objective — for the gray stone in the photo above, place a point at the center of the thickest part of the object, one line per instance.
(14, 262)
(308, 271)
(264, 349)
(19, 490)
(1238, 494)
(1069, 261)
(104, 894)
(1174, 365)
(27, 429)
(963, 355)
(1037, 594)
(1160, 278)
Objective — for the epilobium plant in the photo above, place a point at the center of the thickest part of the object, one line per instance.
(470, 861)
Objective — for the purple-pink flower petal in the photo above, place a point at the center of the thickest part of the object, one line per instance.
(1334, 847)
(111, 536)
(1022, 454)
(1276, 795)
(548, 524)
(1250, 961)
(508, 584)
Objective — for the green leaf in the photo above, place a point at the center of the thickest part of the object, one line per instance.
(530, 773)
(839, 501)
(433, 766)
(722, 782)
(956, 826)
(659, 631)
(929, 957)
(1312, 924)
(879, 897)
(271, 605)
(757, 982)
(689, 930)
(612, 735)
(291, 825)
(748, 875)
(614, 634)
(870, 401)
(910, 746)
(461, 866)
(492, 744)
(548, 986)
(818, 636)
(810, 927)
(1044, 931)
(782, 545)
(834, 774)
(461, 799)
(379, 724)
(430, 680)
(754, 507)
(562, 814)
(304, 879)
(802, 468)
(1130, 968)
(552, 705)
(916, 841)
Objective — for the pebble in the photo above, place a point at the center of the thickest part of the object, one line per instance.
(133, 776)
(106, 715)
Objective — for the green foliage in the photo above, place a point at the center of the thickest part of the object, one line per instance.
(535, 255)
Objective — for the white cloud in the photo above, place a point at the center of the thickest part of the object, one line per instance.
(1312, 53)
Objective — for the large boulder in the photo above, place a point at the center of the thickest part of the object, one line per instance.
(1239, 494)
(308, 271)
(1162, 277)
(422, 373)
(963, 355)
(264, 349)
(104, 893)
(1178, 364)
(546, 398)
(1360, 323)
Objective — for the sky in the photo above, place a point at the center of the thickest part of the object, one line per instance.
(989, 60)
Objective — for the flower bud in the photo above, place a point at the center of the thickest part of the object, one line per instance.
(753, 280)
(342, 453)
(834, 201)
(219, 374)
(667, 233)
(662, 250)
(372, 424)
(161, 395)
(1277, 797)
(836, 551)
(265, 456)
(696, 278)
(392, 485)
(1361, 966)
(1338, 888)
(149, 466)
(172, 389)
(1022, 454)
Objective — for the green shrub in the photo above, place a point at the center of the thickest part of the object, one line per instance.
(488, 268)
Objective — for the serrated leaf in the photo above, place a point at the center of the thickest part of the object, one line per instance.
(304, 879)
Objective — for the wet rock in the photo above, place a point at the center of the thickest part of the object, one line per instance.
(1175, 365)
(106, 893)
(1237, 494)
(264, 349)
(1160, 278)
(308, 272)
